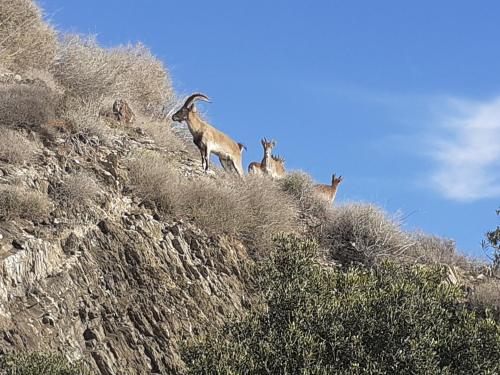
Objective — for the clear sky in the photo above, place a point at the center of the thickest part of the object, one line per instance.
(401, 98)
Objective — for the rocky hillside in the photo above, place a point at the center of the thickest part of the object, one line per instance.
(115, 247)
(111, 282)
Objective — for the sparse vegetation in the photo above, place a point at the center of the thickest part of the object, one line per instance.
(253, 209)
(25, 363)
(162, 133)
(301, 187)
(23, 105)
(17, 202)
(27, 41)
(486, 296)
(91, 73)
(76, 189)
(316, 320)
(86, 127)
(15, 148)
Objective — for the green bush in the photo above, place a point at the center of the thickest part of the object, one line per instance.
(40, 364)
(318, 320)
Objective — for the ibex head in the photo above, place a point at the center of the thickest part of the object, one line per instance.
(188, 106)
(279, 159)
(268, 146)
(336, 180)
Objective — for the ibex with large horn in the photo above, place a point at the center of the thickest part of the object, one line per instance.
(208, 139)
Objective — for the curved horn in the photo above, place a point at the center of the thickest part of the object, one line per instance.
(194, 97)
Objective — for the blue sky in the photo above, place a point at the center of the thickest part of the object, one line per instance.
(401, 98)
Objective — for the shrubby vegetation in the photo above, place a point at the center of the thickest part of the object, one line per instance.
(252, 209)
(27, 41)
(40, 363)
(91, 73)
(19, 203)
(15, 148)
(318, 320)
(24, 105)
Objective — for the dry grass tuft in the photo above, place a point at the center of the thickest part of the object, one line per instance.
(132, 73)
(86, 126)
(16, 149)
(430, 249)
(362, 234)
(26, 40)
(253, 209)
(23, 105)
(300, 186)
(16, 202)
(161, 132)
(78, 189)
(486, 295)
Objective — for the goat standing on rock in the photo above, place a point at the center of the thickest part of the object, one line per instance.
(208, 139)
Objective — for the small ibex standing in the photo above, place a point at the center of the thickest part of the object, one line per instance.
(328, 192)
(270, 164)
(264, 166)
(208, 139)
(278, 166)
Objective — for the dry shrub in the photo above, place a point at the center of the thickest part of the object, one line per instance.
(301, 187)
(431, 249)
(86, 126)
(486, 295)
(26, 40)
(77, 189)
(132, 73)
(16, 202)
(362, 233)
(16, 149)
(26, 105)
(253, 209)
(161, 132)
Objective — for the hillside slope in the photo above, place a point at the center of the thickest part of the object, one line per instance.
(115, 247)
(115, 283)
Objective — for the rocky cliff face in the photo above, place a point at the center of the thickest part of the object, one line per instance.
(114, 283)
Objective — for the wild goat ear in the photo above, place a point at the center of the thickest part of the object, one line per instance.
(192, 108)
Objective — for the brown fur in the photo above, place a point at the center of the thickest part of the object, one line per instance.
(270, 165)
(211, 140)
(122, 112)
(56, 128)
(255, 168)
(328, 192)
(278, 166)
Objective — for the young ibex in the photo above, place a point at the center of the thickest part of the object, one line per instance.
(208, 139)
(278, 166)
(271, 165)
(264, 166)
(328, 192)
